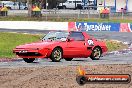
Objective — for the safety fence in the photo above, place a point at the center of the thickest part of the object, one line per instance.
(73, 14)
(86, 13)
(96, 26)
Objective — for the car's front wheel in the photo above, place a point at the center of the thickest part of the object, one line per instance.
(96, 53)
(9, 8)
(64, 7)
(29, 60)
(56, 55)
(68, 59)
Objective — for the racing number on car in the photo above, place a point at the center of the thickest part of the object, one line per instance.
(90, 42)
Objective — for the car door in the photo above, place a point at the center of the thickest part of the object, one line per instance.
(76, 45)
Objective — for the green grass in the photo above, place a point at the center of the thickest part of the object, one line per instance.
(114, 45)
(8, 41)
(24, 18)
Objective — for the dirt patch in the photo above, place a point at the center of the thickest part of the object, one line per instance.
(58, 77)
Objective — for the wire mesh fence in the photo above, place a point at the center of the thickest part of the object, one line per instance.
(72, 14)
(84, 14)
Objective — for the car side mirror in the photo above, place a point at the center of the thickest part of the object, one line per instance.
(70, 39)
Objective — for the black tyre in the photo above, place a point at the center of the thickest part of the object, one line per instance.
(29, 60)
(64, 7)
(56, 55)
(79, 7)
(9, 8)
(96, 53)
(81, 80)
(59, 7)
(68, 59)
(25, 8)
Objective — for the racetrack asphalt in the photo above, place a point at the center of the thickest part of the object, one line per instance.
(115, 57)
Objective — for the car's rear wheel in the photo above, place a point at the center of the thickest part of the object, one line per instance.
(68, 59)
(56, 55)
(96, 53)
(29, 60)
(25, 8)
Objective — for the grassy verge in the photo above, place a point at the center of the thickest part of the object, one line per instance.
(24, 18)
(8, 41)
(115, 45)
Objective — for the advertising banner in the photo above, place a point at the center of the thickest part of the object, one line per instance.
(93, 26)
(125, 27)
(34, 25)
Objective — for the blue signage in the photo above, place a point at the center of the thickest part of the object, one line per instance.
(131, 26)
(95, 26)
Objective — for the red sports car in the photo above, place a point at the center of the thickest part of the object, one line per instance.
(61, 44)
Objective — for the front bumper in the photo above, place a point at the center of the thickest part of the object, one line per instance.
(31, 53)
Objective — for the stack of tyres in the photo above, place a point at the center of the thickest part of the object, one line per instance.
(104, 13)
(36, 12)
(4, 11)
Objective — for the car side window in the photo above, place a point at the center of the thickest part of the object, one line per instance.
(78, 36)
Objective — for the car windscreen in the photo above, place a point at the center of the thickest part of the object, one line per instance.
(55, 35)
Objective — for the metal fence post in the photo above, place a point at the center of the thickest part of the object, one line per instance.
(46, 10)
(58, 14)
(99, 13)
(88, 13)
(79, 13)
(122, 14)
